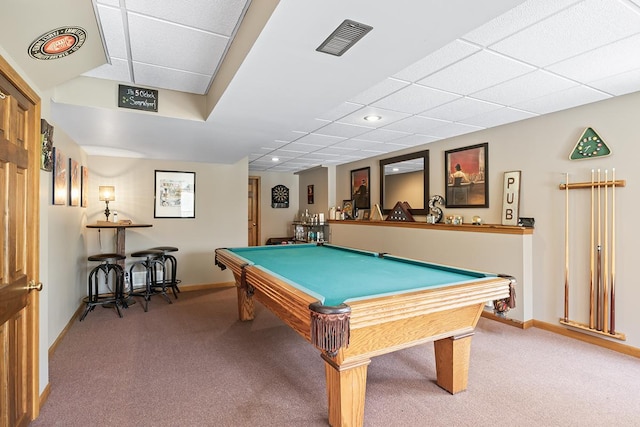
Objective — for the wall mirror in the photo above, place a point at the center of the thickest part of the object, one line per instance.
(405, 178)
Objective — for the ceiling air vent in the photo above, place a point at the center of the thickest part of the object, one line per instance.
(345, 36)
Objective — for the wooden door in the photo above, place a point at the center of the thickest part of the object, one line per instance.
(19, 187)
(253, 223)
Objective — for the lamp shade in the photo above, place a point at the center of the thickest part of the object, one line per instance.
(107, 193)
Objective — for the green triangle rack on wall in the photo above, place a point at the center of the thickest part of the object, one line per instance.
(589, 146)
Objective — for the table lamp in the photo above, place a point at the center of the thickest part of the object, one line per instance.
(107, 194)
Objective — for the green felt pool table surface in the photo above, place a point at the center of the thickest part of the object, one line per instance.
(336, 275)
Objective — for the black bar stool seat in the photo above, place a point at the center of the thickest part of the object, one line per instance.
(151, 264)
(171, 268)
(108, 267)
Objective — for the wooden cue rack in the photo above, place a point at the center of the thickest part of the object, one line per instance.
(602, 282)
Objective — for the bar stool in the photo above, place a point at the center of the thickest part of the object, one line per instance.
(109, 268)
(151, 264)
(171, 267)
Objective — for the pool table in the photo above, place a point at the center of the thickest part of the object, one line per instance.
(353, 304)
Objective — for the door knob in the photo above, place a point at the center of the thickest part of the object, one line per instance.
(33, 285)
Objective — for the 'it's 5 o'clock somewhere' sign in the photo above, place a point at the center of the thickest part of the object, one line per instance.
(137, 98)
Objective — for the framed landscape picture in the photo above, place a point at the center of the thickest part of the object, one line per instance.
(175, 194)
(466, 170)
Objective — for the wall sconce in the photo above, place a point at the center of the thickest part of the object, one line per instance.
(107, 194)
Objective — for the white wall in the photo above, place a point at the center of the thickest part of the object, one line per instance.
(276, 222)
(540, 148)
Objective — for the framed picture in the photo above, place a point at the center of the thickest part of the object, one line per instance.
(360, 188)
(366, 215)
(46, 141)
(74, 183)
(347, 209)
(309, 194)
(84, 186)
(175, 194)
(466, 170)
(59, 177)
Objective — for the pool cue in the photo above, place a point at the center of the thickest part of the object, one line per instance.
(605, 274)
(566, 249)
(599, 265)
(612, 313)
(591, 259)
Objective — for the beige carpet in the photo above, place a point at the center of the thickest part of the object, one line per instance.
(192, 363)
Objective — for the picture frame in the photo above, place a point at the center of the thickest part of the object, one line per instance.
(360, 184)
(174, 194)
(348, 209)
(74, 183)
(84, 186)
(46, 143)
(309, 194)
(466, 169)
(366, 215)
(60, 179)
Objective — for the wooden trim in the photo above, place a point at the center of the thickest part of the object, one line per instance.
(484, 228)
(511, 322)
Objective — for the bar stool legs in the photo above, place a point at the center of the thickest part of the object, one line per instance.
(171, 267)
(151, 265)
(107, 269)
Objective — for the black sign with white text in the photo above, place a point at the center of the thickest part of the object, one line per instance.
(137, 98)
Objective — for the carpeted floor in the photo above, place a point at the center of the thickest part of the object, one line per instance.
(192, 363)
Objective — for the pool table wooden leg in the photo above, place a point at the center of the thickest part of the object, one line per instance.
(245, 305)
(346, 387)
(452, 362)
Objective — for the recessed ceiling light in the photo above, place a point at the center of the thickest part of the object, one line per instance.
(274, 159)
(372, 118)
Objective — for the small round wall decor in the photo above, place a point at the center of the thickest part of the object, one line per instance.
(58, 43)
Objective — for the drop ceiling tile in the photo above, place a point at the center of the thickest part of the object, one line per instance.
(498, 117)
(115, 3)
(453, 129)
(337, 150)
(383, 135)
(416, 124)
(620, 84)
(320, 140)
(413, 140)
(341, 111)
(117, 70)
(568, 98)
(359, 144)
(388, 117)
(414, 99)
(529, 86)
(582, 27)
(149, 75)
(443, 57)
(603, 62)
(342, 130)
(460, 109)
(182, 48)
(382, 89)
(301, 147)
(113, 31)
(514, 20)
(476, 72)
(310, 125)
(218, 16)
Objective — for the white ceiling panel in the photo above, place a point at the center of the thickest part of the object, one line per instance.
(516, 19)
(529, 86)
(417, 124)
(453, 129)
(383, 135)
(382, 89)
(460, 109)
(476, 72)
(310, 125)
(340, 111)
(342, 130)
(578, 29)
(320, 140)
(603, 62)
(359, 144)
(451, 53)
(115, 3)
(562, 100)
(414, 99)
(413, 140)
(167, 78)
(113, 30)
(387, 117)
(498, 117)
(182, 47)
(621, 84)
(117, 70)
(216, 16)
